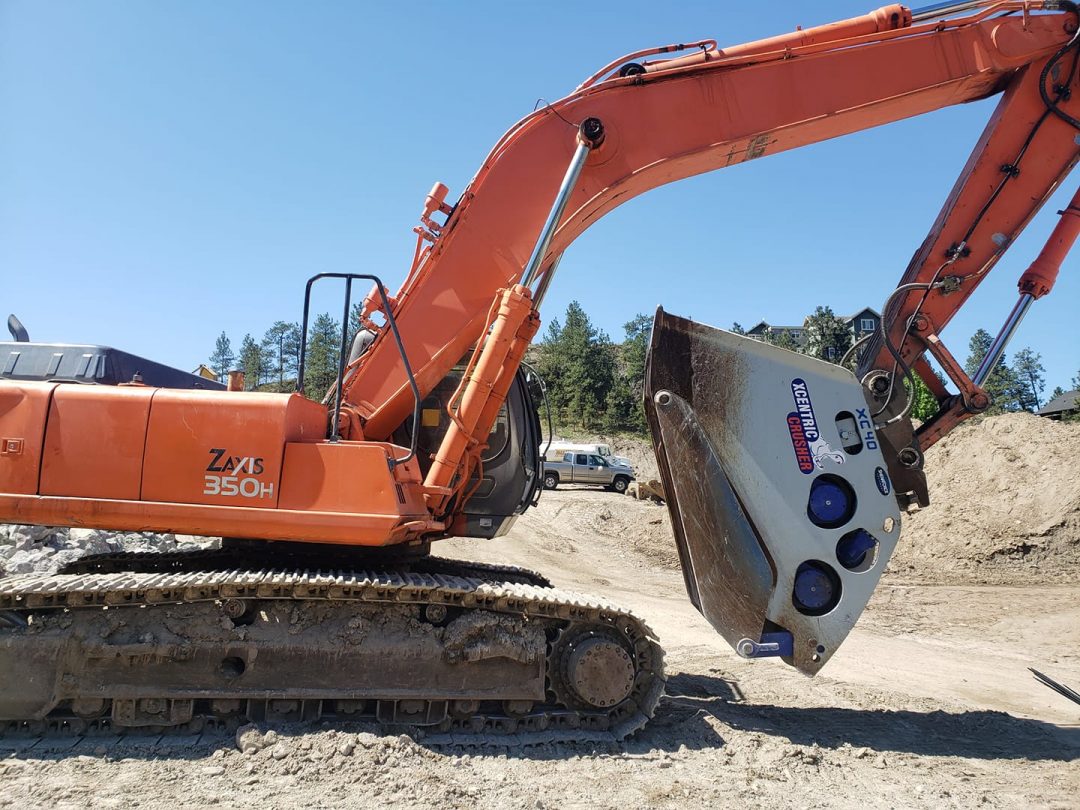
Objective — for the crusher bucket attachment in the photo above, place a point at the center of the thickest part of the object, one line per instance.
(780, 501)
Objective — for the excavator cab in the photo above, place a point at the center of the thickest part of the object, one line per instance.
(779, 493)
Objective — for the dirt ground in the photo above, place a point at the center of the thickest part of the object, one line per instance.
(928, 704)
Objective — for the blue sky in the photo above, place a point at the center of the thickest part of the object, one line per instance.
(170, 170)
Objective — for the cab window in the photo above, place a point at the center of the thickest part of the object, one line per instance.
(597, 461)
(582, 460)
(568, 458)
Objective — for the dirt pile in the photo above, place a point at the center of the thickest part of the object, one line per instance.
(637, 531)
(641, 455)
(1005, 505)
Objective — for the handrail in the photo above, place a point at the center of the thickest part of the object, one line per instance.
(349, 278)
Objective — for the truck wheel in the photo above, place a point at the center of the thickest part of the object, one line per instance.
(620, 484)
(551, 480)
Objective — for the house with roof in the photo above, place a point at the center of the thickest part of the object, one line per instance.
(861, 323)
(1066, 404)
(763, 329)
(206, 373)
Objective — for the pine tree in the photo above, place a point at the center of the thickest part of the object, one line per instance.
(1028, 371)
(578, 366)
(1001, 384)
(281, 354)
(783, 339)
(827, 337)
(251, 361)
(323, 350)
(1076, 382)
(221, 361)
(1057, 392)
(736, 328)
(354, 320)
(624, 403)
(622, 410)
(550, 365)
(635, 348)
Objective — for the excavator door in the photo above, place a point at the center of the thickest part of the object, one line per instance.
(780, 499)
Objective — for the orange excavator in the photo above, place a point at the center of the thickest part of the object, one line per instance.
(786, 476)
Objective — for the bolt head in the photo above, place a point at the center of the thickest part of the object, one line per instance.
(908, 456)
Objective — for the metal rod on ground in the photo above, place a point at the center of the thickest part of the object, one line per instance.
(1060, 688)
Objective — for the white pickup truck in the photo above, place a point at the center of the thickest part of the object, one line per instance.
(586, 468)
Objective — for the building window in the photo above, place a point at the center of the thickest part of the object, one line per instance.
(866, 324)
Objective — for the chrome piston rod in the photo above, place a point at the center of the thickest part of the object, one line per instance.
(545, 282)
(590, 136)
(997, 348)
(935, 10)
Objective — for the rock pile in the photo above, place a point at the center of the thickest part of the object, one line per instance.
(46, 549)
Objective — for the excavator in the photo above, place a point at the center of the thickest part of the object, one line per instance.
(786, 476)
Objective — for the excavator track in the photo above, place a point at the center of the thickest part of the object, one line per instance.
(465, 651)
(230, 558)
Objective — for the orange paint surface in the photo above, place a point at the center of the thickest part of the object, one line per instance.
(224, 448)
(94, 441)
(23, 410)
(350, 477)
(231, 521)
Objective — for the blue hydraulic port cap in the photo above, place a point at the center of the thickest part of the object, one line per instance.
(831, 502)
(852, 548)
(817, 588)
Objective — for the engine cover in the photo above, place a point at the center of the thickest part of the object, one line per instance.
(779, 494)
